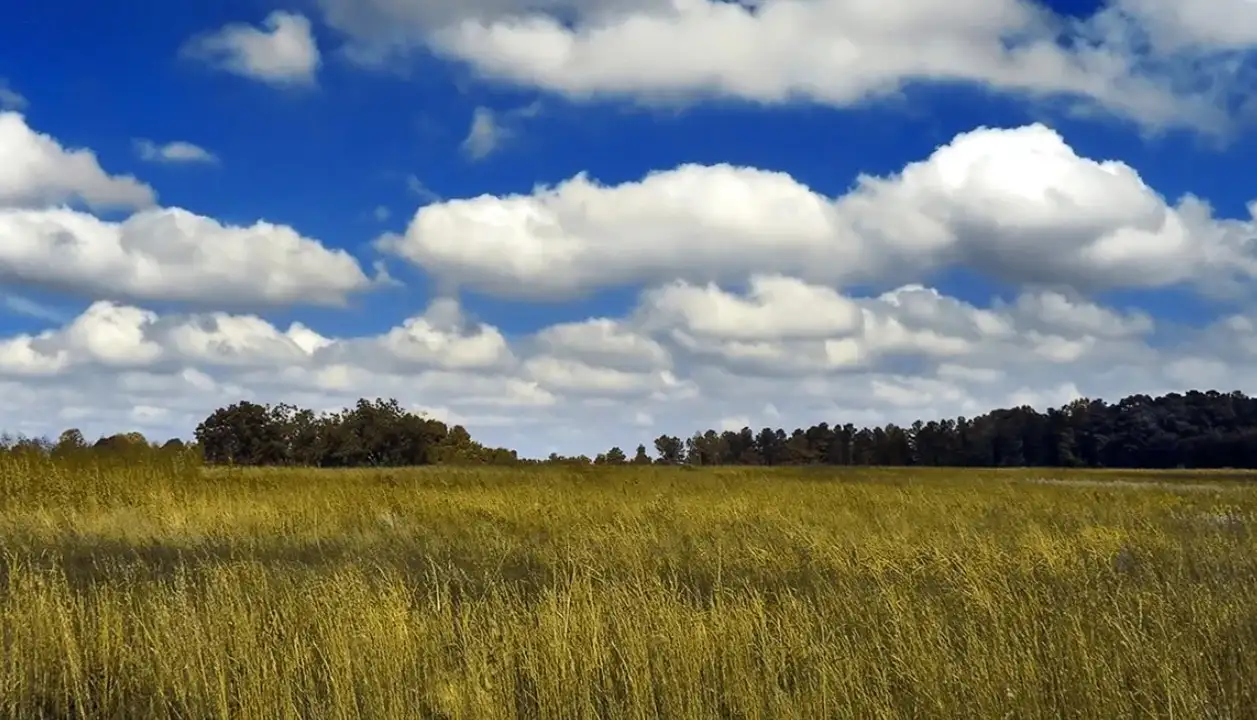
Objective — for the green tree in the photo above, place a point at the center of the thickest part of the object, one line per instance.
(69, 443)
(670, 449)
(640, 457)
(243, 434)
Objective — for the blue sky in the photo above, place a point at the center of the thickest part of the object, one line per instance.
(346, 148)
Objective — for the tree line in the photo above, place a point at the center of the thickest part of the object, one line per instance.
(370, 434)
(1192, 430)
(72, 442)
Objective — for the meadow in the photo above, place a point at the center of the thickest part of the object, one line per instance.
(159, 589)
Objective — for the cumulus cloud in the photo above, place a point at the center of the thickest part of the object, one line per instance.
(564, 240)
(783, 326)
(1018, 204)
(664, 366)
(604, 342)
(118, 336)
(1158, 62)
(576, 377)
(155, 253)
(175, 152)
(284, 52)
(173, 254)
(778, 307)
(754, 306)
(39, 171)
(115, 356)
(443, 337)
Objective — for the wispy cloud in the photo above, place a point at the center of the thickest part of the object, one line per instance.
(11, 99)
(416, 186)
(17, 305)
(490, 129)
(177, 152)
(382, 276)
(485, 135)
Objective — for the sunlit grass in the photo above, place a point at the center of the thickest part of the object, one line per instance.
(163, 591)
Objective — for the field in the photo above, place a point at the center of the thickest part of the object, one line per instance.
(153, 590)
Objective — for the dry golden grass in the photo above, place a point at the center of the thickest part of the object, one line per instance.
(157, 591)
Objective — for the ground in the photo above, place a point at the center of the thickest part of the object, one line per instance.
(160, 591)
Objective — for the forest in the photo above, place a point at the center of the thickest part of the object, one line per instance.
(1197, 429)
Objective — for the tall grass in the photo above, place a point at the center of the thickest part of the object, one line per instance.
(160, 591)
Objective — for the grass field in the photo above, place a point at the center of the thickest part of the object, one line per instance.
(155, 591)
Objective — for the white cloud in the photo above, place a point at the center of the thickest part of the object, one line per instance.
(1018, 204)
(442, 338)
(1056, 312)
(777, 306)
(113, 335)
(588, 385)
(38, 171)
(694, 220)
(172, 254)
(604, 342)
(115, 357)
(577, 377)
(283, 53)
(836, 52)
(748, 316)
(176, 152)
(785, 327)
(1205, 25)
(155, 253)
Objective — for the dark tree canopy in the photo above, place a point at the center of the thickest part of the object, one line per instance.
(372, 433)
(1192, 430)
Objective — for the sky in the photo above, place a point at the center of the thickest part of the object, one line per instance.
(572, 225)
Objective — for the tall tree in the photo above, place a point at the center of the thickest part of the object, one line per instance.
(670, 449)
